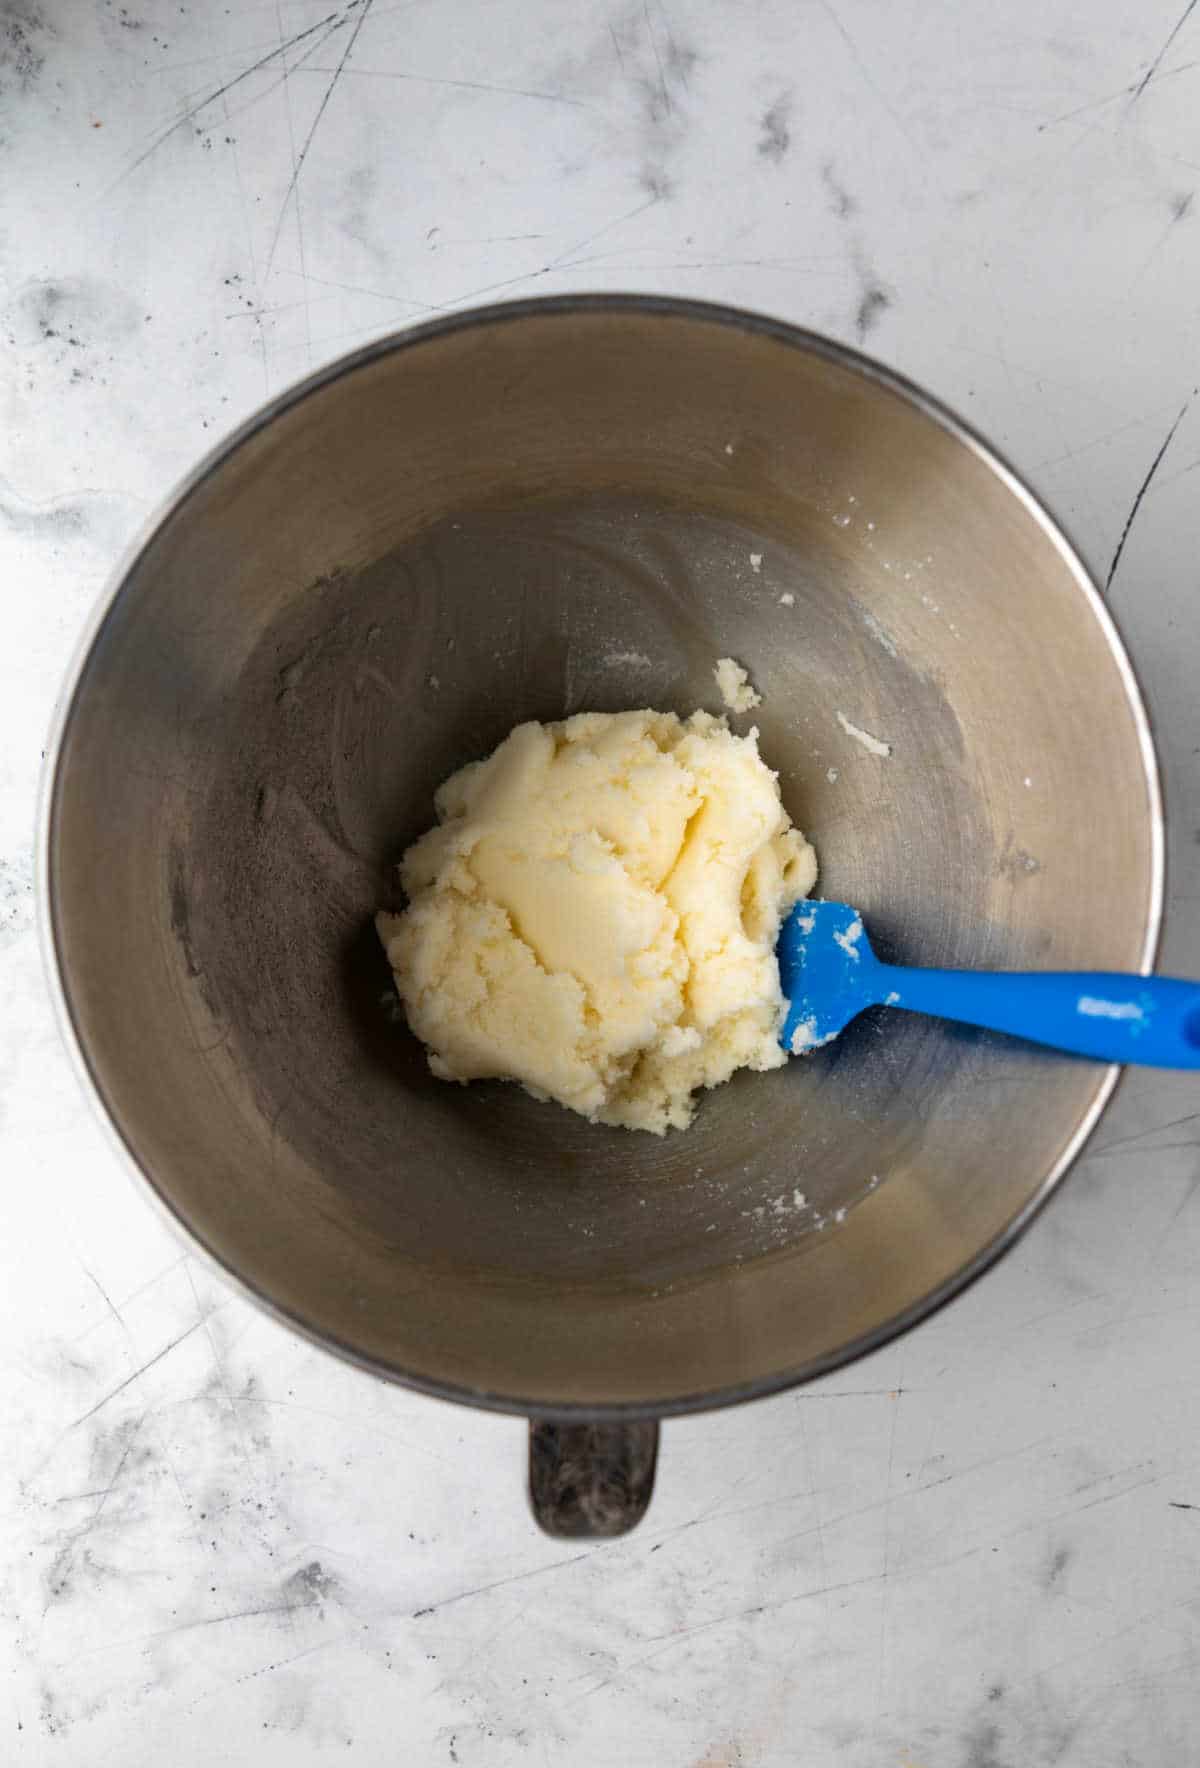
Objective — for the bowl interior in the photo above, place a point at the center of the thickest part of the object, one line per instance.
(549, 510)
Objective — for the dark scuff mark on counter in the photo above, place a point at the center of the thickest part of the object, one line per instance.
(874, 304)
(24, 33)
(1142, 490)
(841, 202)
(776, 139)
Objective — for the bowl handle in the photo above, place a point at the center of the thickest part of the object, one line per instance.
(591, 1479)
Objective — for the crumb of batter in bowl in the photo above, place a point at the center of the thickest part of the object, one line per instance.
(595, 915)
(734, 684)
(873, 745)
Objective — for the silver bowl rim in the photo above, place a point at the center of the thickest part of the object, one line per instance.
(482, 318)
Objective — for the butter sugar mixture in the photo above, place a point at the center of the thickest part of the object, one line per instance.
(595, 915)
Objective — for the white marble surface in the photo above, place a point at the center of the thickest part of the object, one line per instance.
(979, 1549)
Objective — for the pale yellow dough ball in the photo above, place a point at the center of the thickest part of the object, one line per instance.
(595, 915)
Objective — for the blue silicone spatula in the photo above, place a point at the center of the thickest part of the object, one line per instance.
(829, 974)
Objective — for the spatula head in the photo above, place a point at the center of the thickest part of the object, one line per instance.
(827, 970)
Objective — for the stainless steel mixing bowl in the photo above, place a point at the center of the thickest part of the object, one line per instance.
(522, 513)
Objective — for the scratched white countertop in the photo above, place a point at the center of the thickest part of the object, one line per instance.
(980, 1548)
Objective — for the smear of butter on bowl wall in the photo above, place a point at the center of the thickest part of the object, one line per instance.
(595, 915)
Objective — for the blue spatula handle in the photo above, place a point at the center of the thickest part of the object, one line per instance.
(1146, 1019)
